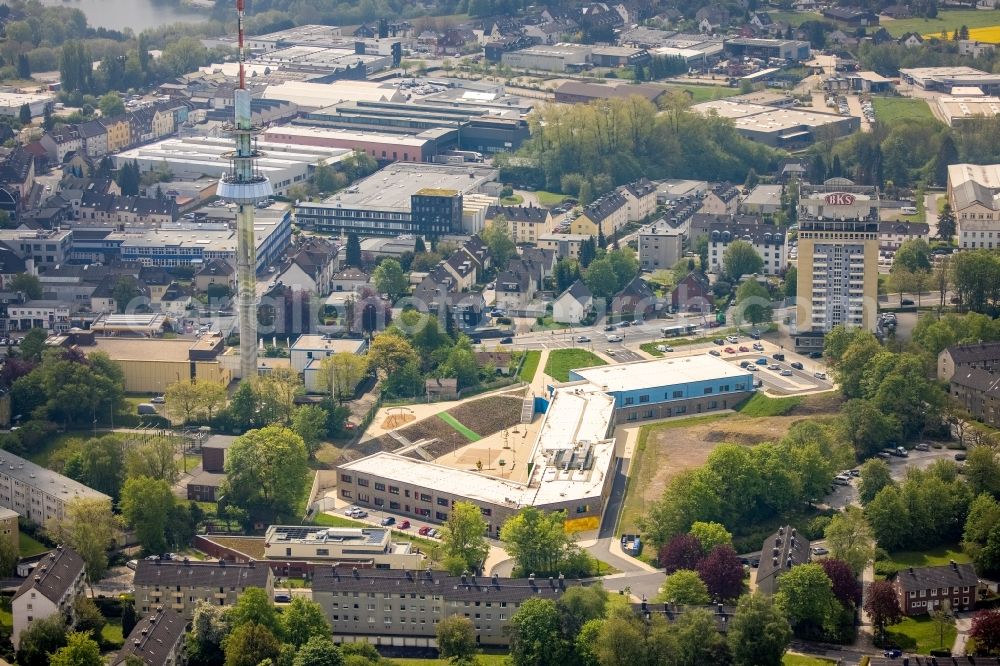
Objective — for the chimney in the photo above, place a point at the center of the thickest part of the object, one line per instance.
(552, 582)
(788, 562)
(463, 579)
(562, 582)
(355, 571)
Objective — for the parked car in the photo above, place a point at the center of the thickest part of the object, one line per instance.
(423, 530)
(714, 352)
(758, 346)
(762, 361)
(815, 354)
(796, 365)
(774, 366)
(819, 375)
(922, 447)
(900, 452)
(282, 598)
(820, 550)
(744, 348)
(854, 472)
(786, 373)
(625, 324)
(778, 357)
(132, 564)
(405, 525)
(732, 339)
(664, 348)
(609, 327)
(158, 400)
(744, 364)
(507, 340)
(752, 368)
(387, 521)
(433, 533)
(730, 350)
(883, 455)
(842, 480)
(755, 335)
(615, 338)
(719, 341)
(359, 514)
(906, 301)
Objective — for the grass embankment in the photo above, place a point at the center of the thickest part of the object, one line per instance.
(561, 361)
(30, 547)
(454, 423)
(804, 660)
(948, 19)
(760, 405)
(530, 365)
(703, 93)
(645, 461)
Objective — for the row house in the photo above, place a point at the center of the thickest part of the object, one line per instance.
(979, 355)
(122, 213)
(604, 216)
(979, 392)
(640, 199)
(180, 585)
(767, 240)
(524, 223)
(156, 640)
(310, 266)
(722, 199)
(893, 234)
(17, 179)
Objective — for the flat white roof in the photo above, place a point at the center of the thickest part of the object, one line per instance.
(660, 372)
(309, 342)
(576, 414)
(292, 133)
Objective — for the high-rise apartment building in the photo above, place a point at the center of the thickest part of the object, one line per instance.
(837, 263)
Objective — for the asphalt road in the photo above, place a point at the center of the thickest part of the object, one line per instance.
(615, 500)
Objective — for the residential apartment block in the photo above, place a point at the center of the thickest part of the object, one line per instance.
(605, 215)
(974, 195)
(781, 551)
(925, 589)
(768, 242)
(157, 640)
(52, 587)
(979, 392)
(179, 586)
(37, 493)
(981, 355)
(402, 608)
(660, 246)
(524, 223)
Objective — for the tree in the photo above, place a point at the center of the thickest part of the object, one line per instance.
(722, 572)
(986, 631)
(208, 629)
(875, 476)
(753, 303)
(353, 254)
(309, 423)
(89, 527)
(9, 557)
(29, 284)
(758, 634)
(868, 428)
(343, 372)
(182, 399)
(842, 579)
(536, 638)
(579, 605)
(302, 621)
(88, 617)
(213, 396)
(882, 606)
(255, 607)
(124, 291)
(249, 645)
(791, 289)
(697, 639)
(850, 538)
(318, 651)
(601, 279)
(946, 224)
(98, 464)
(80, 650)
(24, 115)
(45, 636)
(33, 344)
(456, 639)
(536, 541)
(684, 587)
(498, 240)
(154, 459)
(982, 470)
(147, 505)
(740, 259)
(805, 595)
(389, 279)
(464, 538)
(24, 71)
(709, 535)
(111, 105)
(130, 617)
(913, 255)
(267, 472)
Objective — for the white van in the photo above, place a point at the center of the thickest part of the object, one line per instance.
(615, 338)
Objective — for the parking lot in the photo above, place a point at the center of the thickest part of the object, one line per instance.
(622, 355)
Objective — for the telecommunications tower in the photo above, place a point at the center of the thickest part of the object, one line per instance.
(245, 186)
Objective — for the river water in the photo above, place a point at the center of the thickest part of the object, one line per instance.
(119, 14)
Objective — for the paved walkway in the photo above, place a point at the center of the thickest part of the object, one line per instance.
(963, 623)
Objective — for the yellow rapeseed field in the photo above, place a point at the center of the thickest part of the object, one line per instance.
(989, 35)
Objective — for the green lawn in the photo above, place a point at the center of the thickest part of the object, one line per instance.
(645, 462)
(892, 110)
(948, 19)
(549, 199)
(530, 365)
(111, 634)
(922, 558)
(920, 635)
(804, 660)
(457, 425)
(328, 520)
(29, 547)
(513, 200)
(761, 405)
(55, 444)
(701, 94)
(6, 619)
(561, 361)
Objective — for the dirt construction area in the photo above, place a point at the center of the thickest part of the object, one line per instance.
(676, 445)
